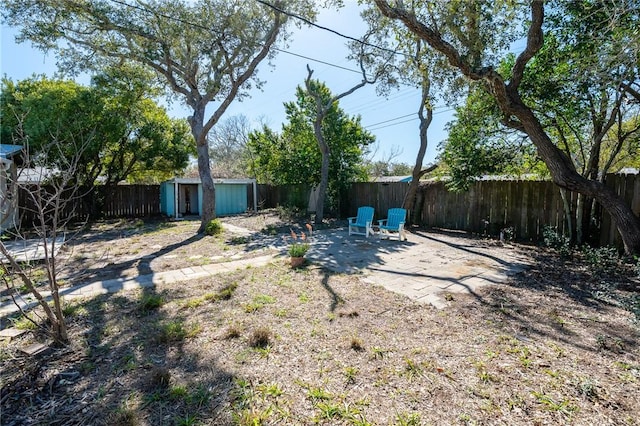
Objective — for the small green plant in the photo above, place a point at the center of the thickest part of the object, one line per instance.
(214, 227)
(350, 374)
(377, 352)
(412, 369)
(25, 322)
(564, 406)
(298, 249)
(601, 260)
(74, 310)
(264, 299)
(551, 238)
(177, 330)
(299, 245)
(408, 419)
(252, 417)
(150, 302)
(188, 420)
(178, 393)
(318, 394)
(274, 390)
(304, 298)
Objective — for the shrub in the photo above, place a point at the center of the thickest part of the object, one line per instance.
(551, 238)
(601, 260)
(214, 227)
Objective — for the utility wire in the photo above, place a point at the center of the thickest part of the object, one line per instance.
(369, 127)
(313, 24)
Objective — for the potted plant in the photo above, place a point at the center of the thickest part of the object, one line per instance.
(299, 247)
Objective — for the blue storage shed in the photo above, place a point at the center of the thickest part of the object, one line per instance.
(181, 197)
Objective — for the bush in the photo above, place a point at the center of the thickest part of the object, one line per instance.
(601, 260)
(214, 227)
(551, 238)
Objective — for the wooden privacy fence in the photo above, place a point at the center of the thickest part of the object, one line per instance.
(628, 187)
(270, 196)
(131, 201)
(118, 201)
(490, 206)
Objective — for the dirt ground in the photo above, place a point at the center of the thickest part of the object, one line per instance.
(126, 248)
(557, 344)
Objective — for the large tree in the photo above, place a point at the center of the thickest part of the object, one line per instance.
(130, 136)
(466, 37)
(292, 155)
(205, 51)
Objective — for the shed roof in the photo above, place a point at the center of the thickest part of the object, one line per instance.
(8, 151)
(219, 181)
(386, 179)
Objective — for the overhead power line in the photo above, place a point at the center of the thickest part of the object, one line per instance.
(313, 24)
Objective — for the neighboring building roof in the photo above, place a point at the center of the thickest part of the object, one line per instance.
(35, 174)
(194, 181)
(387, 179)
(8, 151)
(628, 171)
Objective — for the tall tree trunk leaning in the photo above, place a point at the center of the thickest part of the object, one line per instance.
(520, 116)
(321, 111)
(324, 168)
(417, 173)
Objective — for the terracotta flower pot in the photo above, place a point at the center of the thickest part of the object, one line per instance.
(296, 262)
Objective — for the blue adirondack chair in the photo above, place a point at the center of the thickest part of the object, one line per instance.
(363, 221)
(393, 223)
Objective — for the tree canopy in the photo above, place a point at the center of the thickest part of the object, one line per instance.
(474, 37)
(292, 155)
(120, 132)
(206, 52)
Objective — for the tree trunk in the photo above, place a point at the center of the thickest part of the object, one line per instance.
(508, 99)
(324, 169)
(208, 212)
(417, 172)
(565, 176)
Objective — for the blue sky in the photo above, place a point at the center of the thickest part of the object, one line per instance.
(392, 120)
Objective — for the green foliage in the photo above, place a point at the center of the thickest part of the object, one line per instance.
(214, 227)
(293, 156)
(177, 330)
(150, 302)
(114, 126)
(601, 260)
(551, 238)
(478, 145)
(25, 322)
(298, 249)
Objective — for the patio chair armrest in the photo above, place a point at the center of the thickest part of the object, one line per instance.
(351, 219)
(381, 222)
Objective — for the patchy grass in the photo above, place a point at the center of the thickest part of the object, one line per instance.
(540, 349)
